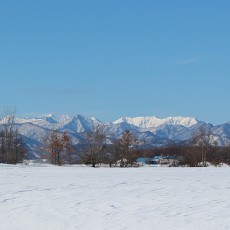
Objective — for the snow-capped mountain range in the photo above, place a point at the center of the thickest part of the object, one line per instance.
(154, 131)
(150, 122)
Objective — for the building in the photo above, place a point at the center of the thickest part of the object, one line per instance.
(159, 160)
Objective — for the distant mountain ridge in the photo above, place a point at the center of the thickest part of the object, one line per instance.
(149, 122)
(155, 131)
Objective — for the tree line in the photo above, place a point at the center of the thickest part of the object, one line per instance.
(12, 147)
(199, 152)
(57, 147)
(124, 151)
(96, 149)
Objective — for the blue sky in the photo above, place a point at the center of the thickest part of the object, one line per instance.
(114, 58)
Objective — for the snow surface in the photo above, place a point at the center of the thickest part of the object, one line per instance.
(102, 198)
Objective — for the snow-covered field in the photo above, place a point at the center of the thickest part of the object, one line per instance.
(135, 198)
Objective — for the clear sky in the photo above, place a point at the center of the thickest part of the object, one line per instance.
(114, 58)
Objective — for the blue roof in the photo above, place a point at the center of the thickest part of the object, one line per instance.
(154, 158)
(142, 159)
(157, 157)
(162, 157)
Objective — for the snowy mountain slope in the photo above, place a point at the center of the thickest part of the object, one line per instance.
(79, 124)
(152, 130)
(223, 133)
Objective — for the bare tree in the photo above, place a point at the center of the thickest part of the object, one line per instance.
(94, 146)
(113, 153)
(57, 147)
(67, 147)
(125, 149)
(12, 148)
(202, 140)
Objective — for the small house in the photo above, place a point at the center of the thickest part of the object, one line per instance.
(159, 160)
